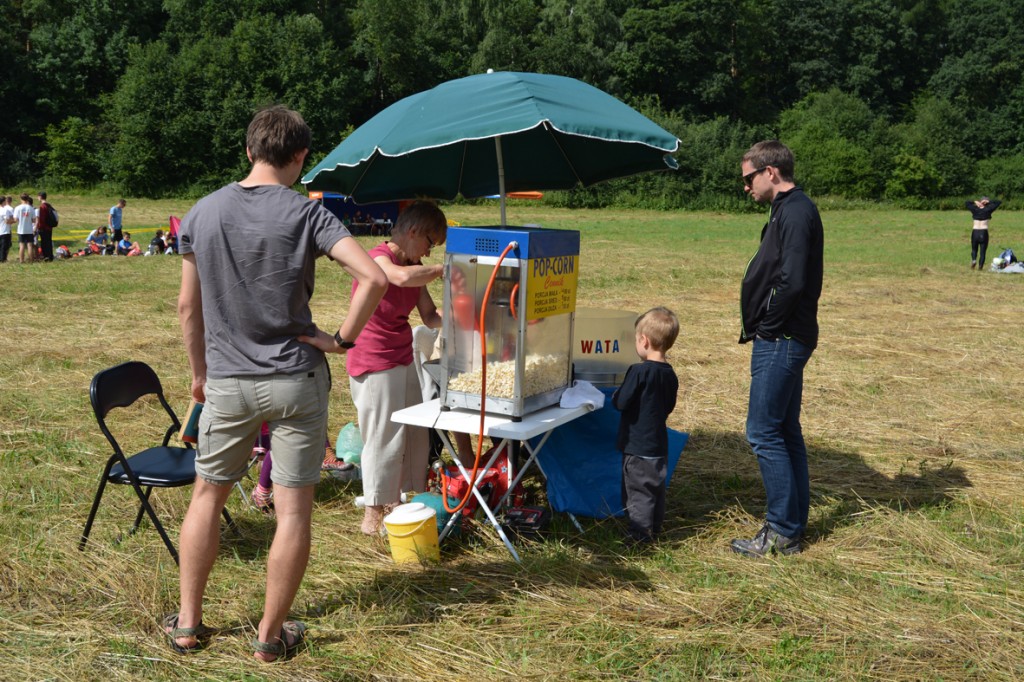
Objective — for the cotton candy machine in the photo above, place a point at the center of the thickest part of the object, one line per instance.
(604, 345)
(521, 282)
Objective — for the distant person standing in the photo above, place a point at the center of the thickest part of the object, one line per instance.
(114, 219)
(981, 210)
(25, 216)
(43, 228)
(6, 221)
(779, 308)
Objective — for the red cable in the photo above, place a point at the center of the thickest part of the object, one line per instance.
(483, 393)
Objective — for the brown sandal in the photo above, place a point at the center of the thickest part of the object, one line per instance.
(293, 635)
(173, 632)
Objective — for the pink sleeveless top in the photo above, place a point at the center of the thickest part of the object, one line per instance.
(386, 341)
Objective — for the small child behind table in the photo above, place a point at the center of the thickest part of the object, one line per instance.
(646, 398)
(263, 494)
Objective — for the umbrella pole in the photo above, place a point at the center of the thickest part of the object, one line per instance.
(501, 177)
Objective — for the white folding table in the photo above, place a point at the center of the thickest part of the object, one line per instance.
(498, 428)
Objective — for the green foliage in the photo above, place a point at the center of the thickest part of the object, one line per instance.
(936, 134)
(912, 176)
(139, 160)
(983, 75)
(390, 42)
(577, 38)
(72, 154)
(710, 156)
(1001, 177)
(877, 98)
(839, 145)
(508, 40)
(78, 50)
(183, 125)
(692, 55)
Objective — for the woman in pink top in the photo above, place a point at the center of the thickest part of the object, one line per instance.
(382, 377)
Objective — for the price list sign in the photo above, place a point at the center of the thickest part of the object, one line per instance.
(551, 286)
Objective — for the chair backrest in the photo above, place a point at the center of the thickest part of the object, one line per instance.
(121, 386)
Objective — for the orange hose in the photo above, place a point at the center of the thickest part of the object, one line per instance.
(512, 302)
(483, 393)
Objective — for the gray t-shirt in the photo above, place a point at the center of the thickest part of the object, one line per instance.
(255, 250)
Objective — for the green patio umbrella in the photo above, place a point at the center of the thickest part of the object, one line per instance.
(490, 134)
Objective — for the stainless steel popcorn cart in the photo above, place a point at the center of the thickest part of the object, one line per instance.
(521, 283)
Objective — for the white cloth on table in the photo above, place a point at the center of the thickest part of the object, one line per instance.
(582, 393)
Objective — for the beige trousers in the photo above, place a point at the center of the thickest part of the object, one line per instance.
(394, 455)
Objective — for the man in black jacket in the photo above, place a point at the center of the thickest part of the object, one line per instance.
(779, 306)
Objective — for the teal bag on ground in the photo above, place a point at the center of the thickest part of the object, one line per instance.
(349, 446)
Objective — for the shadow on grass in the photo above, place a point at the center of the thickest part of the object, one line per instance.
(718, 470)
(255, 530)
(493, 589)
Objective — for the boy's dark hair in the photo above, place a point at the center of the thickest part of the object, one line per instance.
(276, 134)
(661, 327)
(772, 153)
(42, 195)
(25, 197)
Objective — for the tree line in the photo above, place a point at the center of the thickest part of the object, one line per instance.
(915, 101)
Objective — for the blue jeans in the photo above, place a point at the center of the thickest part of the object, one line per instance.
(773, 431)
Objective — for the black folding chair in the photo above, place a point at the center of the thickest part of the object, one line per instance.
(157, 467)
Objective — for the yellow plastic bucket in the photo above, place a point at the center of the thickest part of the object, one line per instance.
(412, 533)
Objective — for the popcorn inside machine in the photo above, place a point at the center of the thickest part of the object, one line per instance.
(509, 304)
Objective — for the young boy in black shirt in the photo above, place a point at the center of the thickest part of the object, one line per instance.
(646, 398)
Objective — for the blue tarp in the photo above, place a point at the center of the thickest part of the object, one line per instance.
(583, 468)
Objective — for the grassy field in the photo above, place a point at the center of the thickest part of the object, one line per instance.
(913, 570)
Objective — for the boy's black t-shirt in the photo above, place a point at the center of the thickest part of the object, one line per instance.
(646, 398)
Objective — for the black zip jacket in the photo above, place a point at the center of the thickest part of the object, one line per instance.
(782, 283)
(983, 213)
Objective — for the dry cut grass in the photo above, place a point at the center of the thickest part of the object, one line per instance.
(913, 570)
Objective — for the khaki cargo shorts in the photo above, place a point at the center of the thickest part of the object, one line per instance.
(294, 406)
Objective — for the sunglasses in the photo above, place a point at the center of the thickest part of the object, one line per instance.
(749, 177)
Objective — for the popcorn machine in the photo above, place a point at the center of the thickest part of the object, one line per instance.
(521, 283)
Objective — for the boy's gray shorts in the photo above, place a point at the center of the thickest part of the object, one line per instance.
(295, 407)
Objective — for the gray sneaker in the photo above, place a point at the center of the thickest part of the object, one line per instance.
(766, 542)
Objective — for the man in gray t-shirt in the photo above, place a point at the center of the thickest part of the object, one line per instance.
(257, 247)
(256, 356)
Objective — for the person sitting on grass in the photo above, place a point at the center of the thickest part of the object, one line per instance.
(98, 240)
(156, 244)
(126, 247)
